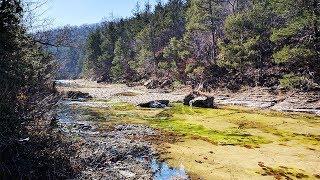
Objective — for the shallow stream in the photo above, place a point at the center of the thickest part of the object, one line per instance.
(74, 122)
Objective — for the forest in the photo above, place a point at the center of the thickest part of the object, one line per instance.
(211, 43)
(184, 89)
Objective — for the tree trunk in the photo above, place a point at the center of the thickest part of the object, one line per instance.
(315, 23)
(213, 31)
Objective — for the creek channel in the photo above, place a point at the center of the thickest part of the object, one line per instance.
(117, 153)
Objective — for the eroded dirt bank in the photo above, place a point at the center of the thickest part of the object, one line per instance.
(121, 140)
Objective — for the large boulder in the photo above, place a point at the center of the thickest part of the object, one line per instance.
(197, 99)
(155, 104)
(190, 97)
(207, 102)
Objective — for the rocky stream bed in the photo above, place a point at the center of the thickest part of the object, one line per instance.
(119, 153)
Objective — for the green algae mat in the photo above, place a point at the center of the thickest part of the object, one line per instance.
(230, 141)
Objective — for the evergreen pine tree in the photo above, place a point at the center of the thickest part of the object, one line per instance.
(119, 60)
(296, 37)
(92, 65)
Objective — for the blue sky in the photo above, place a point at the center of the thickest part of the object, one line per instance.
(78, 12)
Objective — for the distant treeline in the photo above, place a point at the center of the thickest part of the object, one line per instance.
(67, 45)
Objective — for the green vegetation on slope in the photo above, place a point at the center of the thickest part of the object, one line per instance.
(222, 43)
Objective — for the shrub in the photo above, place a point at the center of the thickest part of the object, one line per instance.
(287, 54)
(291, 81)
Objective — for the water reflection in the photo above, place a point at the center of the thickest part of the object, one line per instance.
(162, 171)
(73, 120)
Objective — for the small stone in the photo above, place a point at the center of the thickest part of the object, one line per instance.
(200, 162)
(127, 174)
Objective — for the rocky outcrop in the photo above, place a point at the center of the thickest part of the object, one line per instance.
(267, 98)
(189, 97)
(204, 102)
(197, 99)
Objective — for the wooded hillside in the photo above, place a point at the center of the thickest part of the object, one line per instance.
(217, 43)
(67, 45)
